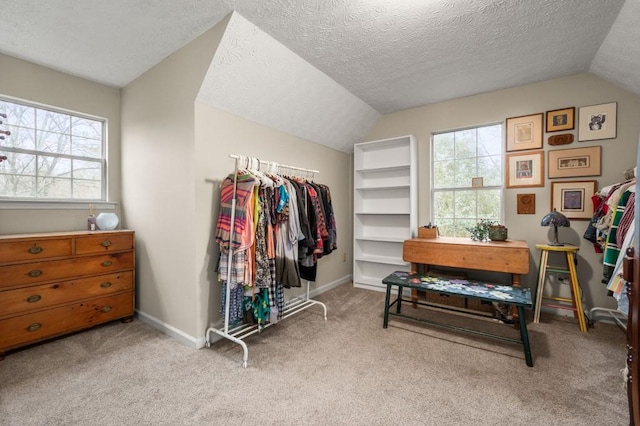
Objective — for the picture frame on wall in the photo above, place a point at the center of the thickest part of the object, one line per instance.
(560, 119)
(573, 199)
(526, 203)
(525, 169)
(575, 162)
(524, 132)
(597, 122)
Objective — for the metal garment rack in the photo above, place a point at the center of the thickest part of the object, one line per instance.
(293, 306)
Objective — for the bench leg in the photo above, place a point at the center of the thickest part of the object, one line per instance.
(399, 304)
(524, 335)
(385, 322)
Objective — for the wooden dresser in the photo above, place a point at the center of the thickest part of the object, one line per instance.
(57, 283)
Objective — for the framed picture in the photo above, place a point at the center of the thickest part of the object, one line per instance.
(574, 162)
(477, 182)
(526, 203)
(561, 119)
(597, 122)
(524, 132)
(573, 199)
(526, 169)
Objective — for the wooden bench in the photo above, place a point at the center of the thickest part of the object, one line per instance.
(518, 297)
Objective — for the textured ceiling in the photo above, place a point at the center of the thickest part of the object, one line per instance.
(391, 54)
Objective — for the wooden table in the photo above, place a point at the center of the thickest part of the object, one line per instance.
(511, 256)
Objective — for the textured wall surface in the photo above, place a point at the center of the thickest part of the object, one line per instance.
(255, 77)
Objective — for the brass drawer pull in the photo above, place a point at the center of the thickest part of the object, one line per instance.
(107, 263)
(106, 309)
(105, 284)
(35, 273)
(33, 299)
(105, 243)
(34, 327)
(35, 249)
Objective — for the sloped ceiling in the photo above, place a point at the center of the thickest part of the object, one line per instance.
(390, 54)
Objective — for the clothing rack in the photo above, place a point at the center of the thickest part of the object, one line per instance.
(293, 306)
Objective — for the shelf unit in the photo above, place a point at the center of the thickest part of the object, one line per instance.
(385, 205)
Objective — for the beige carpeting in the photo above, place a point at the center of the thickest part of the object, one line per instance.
(345, 371)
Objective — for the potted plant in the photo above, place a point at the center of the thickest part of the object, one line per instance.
(488, 229)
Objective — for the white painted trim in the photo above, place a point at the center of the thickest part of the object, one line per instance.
(199, 342)
(170, 330)
(56, 205)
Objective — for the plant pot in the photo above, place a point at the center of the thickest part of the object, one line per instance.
(497, 233)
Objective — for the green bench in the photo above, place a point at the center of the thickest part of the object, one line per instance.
(514, 296)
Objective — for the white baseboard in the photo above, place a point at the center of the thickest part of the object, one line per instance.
(170, 330)
(199, 342)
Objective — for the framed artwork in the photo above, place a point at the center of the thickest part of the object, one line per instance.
(597, 122)
(573, 199)
(561, 119)
(477, 182)
(524, 132)
(526, 203)
(574, 162)
(526, 169)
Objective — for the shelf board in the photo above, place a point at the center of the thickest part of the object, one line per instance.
(384, 168)
(374, 188)
(382, 239)
(385, 213)
(387, 260)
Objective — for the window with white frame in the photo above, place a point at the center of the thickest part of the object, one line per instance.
(466, 179)
(52, 155)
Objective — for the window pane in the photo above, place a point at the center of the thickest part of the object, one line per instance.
(54, 166)
(53, 121)
(86, 189)
(465, 204)
(490, 168)
(444, 174)
(56, 143)
(86, 128)
(489, 204)
(465, 170)
(91, 170)
(462, 225)
(17, 186)
(19, 164)
(465, 143)
(490, 140)
(443, 147)
(442, 205)
(49, 187)
(84, 147)
(20, 138)
(18, 115)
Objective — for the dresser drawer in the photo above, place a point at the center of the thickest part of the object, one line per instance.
(38, 272)
(34, 249)
(104, 243)
(17, 331)
(44, 296)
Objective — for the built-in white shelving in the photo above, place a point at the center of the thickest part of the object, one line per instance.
(385, 207)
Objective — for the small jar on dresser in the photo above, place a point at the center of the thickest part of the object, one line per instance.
(52, 284)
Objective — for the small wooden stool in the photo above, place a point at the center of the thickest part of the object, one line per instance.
(575, 300)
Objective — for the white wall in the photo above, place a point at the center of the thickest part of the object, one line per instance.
(24, 80)
(576, 90)
(158, 157)
(219, 134)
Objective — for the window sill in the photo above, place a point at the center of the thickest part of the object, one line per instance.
(56, 205)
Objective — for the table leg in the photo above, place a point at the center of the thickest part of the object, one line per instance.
(385, 321)
(414, 292)
(524, 335)
(399, 302)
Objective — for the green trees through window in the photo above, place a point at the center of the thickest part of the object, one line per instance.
(459, 199)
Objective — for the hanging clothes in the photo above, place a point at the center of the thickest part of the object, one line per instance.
(280, 224)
